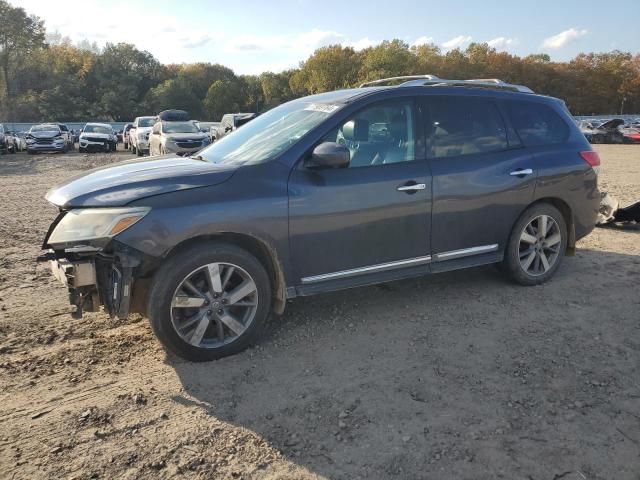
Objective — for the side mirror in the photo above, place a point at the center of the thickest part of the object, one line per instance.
(330, 155)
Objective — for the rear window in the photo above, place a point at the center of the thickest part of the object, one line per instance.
(464, 126)
(537, 123)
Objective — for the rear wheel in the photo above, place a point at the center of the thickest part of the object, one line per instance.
(209, 301)
(537, 245)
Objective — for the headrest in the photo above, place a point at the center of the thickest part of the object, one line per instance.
(398, 127)
(356, 130)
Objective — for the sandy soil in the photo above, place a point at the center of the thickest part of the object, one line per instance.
(459, 375)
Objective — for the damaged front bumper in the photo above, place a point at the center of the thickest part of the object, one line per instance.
(94, 278)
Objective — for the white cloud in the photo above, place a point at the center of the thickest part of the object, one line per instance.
(500, 43)
(456, 42)
(424, 40)
(363, 43)
(558, 41)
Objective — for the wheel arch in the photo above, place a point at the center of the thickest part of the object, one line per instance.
(567, 214)
(260, 249)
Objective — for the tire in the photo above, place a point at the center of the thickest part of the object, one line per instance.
(519, 252)
(167, 281)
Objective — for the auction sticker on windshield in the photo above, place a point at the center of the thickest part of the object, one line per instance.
(322, 107)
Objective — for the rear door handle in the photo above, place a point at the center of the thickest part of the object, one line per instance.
(521, 171)
(412, 188)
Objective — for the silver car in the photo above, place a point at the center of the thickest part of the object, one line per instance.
(183, 138)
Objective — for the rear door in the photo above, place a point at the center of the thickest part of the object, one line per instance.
(482, 176)
(351, 224)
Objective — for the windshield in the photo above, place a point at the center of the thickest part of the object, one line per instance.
(45, 128)
(179, 127)
(97, 129)
(147, 122)
(269, 134)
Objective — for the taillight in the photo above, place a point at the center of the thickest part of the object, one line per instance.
(591, 157)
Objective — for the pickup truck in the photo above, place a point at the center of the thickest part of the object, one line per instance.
(139, 134)
(125, 135)
(230, 122)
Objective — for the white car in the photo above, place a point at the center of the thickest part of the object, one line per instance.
(97, 137)
(139, 134)
(183, 138)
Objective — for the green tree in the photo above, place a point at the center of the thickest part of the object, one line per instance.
(329, 68)
(174, 93)
(223, 97)
(389, 59)
(120, 78)
(19, 34)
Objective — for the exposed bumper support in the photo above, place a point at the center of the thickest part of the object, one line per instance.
(95, 279)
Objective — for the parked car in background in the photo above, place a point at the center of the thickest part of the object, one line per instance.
(125, 135)
(631, 134)
(3, 140)
(13, 141)
(182, 138)
(139, 134)
(205, 127)
(22, 141)
(212, 130)
(47, 137)
(97, 137)
(308, 198)
(603, 132)
(231, 122)
(67, 135)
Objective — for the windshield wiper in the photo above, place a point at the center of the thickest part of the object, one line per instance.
(198, 157)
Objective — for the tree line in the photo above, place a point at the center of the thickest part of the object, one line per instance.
(46, 78)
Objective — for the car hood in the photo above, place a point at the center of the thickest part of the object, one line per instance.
(96, 135)
(121, 183)
(143, 129)
(184, 136)
(45, 134)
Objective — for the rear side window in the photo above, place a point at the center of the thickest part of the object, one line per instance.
(537, 123)
(464, 126)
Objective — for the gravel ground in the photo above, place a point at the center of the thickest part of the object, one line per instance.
(459, 375)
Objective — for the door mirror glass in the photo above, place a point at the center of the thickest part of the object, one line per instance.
(330, 155)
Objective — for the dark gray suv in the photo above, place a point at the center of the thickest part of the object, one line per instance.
(331, 191)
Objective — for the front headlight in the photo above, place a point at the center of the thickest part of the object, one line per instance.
(91, 223)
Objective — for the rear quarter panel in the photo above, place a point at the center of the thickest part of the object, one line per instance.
(563, 174)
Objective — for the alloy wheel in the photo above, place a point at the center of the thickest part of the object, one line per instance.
(214, 305)
(540, 243)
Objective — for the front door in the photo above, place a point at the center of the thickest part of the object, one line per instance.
(353, 223)
(482, 177)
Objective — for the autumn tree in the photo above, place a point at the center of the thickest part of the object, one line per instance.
(20, 34)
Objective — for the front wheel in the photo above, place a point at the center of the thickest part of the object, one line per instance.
(209, 301)
(536, 246)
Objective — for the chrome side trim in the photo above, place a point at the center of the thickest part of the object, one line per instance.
(371, 269)
(465, 252)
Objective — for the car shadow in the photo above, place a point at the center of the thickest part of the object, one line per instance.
(455, 375)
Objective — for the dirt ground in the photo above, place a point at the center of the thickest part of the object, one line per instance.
(456, 376)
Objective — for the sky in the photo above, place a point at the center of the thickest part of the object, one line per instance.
(252, 36)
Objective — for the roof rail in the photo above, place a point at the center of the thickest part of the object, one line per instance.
(404, 77)
(433, 81)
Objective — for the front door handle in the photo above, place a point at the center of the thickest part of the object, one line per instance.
(521, 171)
(412, 188)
